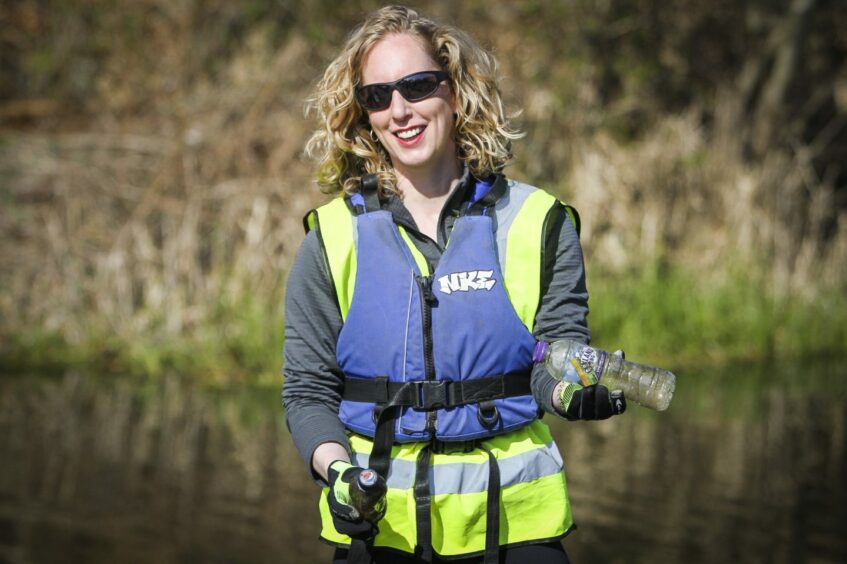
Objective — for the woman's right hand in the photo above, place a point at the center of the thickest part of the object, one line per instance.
(345, 517)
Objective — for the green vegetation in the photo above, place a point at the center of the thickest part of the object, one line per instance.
(674, 317)
(239, 345)
(667, 316)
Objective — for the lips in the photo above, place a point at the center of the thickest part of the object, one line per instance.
(410, 135)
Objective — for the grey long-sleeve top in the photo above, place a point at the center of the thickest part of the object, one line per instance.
(313, 380)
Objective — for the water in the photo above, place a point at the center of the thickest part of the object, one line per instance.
(747, 465)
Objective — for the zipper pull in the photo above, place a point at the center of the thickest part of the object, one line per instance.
(426, 289)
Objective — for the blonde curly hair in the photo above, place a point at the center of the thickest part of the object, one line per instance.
(344, 145)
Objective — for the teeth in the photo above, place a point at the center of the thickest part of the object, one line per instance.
(409, 133)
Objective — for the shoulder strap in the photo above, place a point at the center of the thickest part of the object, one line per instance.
(370, 192)
(486, 195)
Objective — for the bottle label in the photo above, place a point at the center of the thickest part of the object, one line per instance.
(585, 367)
(592, 362)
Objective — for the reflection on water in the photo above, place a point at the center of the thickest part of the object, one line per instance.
(748, 465)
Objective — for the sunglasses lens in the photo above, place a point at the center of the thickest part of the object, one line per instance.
(419, 86)
(375, 96)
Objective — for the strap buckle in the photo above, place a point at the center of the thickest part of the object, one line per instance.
(430, 395)
(442, 447)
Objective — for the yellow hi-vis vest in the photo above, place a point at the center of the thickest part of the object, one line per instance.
(534, 504)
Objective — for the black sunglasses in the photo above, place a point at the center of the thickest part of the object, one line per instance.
(415, 87)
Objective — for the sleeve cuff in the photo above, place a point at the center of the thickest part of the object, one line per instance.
(543, 385)
(315, 431)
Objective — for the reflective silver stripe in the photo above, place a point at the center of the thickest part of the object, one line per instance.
(462, 477)
(408, 321)
(355, 226)
(505, 212)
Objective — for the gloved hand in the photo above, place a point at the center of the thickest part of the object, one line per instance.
(345, 517)
(590, 402)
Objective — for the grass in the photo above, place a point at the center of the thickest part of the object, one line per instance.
(241, 343)
(662, 315)
(670, 315)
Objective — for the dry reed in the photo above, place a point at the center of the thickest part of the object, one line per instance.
(684, 195)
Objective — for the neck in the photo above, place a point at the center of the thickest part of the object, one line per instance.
(428, 185)
(425, 193)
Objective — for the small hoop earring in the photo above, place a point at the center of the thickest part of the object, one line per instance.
(373, 137)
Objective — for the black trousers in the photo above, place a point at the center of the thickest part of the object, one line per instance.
(546, 553)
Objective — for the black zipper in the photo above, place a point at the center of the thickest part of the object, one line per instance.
(427, 299)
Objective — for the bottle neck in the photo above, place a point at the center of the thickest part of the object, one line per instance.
(540, 352)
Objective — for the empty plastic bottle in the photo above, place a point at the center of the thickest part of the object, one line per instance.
(571, 361)
(367, 495)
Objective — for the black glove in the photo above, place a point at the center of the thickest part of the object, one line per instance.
(591, 402)
(345, 517)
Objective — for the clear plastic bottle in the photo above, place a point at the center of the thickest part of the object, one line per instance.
(571, 361)
(367, 495)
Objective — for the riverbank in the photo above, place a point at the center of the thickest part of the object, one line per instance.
(672, 316)
(662, 315)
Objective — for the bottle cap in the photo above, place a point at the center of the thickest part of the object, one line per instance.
(367, 478)
(540, 351)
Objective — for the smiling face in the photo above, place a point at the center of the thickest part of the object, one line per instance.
(417, 135)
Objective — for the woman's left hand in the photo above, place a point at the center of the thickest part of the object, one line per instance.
(589, 403)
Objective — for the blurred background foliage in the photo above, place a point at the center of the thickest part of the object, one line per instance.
(152, 179)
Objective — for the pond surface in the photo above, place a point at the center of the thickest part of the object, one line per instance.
(747, 465)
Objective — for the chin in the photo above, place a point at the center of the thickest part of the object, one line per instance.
(421, 160)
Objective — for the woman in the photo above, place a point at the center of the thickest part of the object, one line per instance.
(413, 357)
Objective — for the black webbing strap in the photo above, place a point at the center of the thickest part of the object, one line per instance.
(492, 511)
(379, 461)
(423, 503)
(360, 551)
(387, 405)
(383, 440)
(370, 192)
(428, 395)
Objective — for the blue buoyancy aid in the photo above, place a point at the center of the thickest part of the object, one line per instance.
(454, 325)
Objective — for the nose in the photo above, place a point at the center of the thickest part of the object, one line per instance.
(400, 108)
